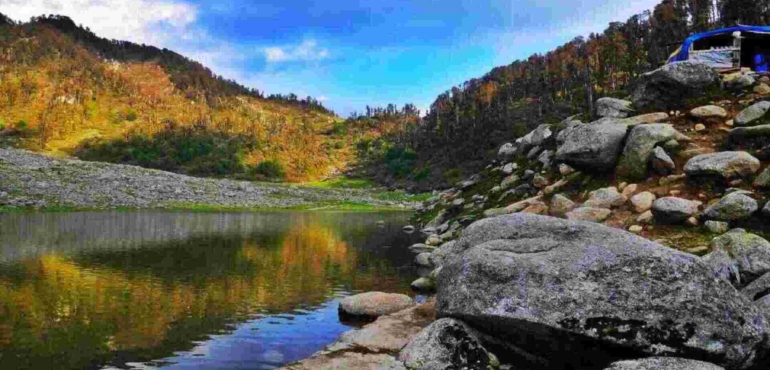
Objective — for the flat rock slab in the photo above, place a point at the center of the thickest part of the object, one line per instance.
(663, 363)
(709, 111)
(752, 114)
(375, 346)
(580, 293)
(372, 305)
(725, 164)
(673, 210)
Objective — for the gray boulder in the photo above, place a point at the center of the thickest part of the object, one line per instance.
(447, 344)
(371, 305)
(740, 134)
(661, 162)
(670, 86)
(751, 115)
(709, 112)
(725, 164)
(506, 152)
(747, 257)
(732, 207)
(673, 210)
(605, 198)
(663, 363)
(574, 292)
(423, 259)
(613, 108)
(640, 145)
(717, 227)
(560, 205)
(540, 135)
(592, 146)
(741, 82)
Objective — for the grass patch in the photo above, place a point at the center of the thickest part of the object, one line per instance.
(342, 183)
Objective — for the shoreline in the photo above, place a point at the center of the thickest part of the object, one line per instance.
(38, 183)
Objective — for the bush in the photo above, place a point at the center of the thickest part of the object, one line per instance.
(131, 115)
(21, 125)
(270, 169)
(400, 161)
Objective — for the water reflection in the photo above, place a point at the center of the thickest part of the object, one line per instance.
(87, 290)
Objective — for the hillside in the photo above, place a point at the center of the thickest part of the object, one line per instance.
(65, 91)
(465, 125)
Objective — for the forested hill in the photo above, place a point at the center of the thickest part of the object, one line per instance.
(66, 91)
(184, 73)
(466, 123)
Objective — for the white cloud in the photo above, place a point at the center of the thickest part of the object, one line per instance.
(323, 98)
(308, 50)
(162, 23)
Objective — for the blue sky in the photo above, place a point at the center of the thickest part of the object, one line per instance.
(346, 53)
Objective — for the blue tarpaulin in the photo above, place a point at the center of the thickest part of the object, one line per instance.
(684, 51)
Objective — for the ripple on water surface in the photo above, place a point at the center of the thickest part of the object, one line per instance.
(187, 290)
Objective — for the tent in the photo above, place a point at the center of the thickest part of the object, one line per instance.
(739, 46)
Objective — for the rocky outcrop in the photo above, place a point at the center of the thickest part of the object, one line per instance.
(671, 85)
(613, 108)
(732, 207)
(592, 146)
(572, 292)
(371, 305)
(673, 210)
(640, 145)
(724, 164)
(663, 363)
(751, 115)
(447, 344)
(375, 346)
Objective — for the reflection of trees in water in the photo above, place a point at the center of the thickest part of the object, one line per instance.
(144, 303)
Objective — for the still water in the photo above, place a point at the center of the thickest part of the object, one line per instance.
(143, 290)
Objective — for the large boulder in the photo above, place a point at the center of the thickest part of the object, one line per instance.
(579, 293)
(751, 115)
(732, 207)
(371, 305)
(640, 145)
(673, 210)
(447, 344)
(613, 108)
(739, 257)
(670, 86)
(663, 363)
(592, 146)
(725, 164)
(740, 134)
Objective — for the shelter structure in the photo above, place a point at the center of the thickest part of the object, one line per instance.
(727, 48)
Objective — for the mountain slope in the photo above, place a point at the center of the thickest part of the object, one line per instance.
(66, 91)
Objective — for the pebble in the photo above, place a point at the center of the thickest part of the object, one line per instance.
(636, 229)
(700, 127)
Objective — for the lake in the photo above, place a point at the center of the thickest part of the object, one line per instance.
(107, 290)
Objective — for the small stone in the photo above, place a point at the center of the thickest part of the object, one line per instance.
(424, 284)
(423, 259)
(709, 111)
(662, 162)
(408, 228)
(557, 186)
(605, 198)
(736, 183)
(560, 205)
(509, 168)
(674, 210)
(539, 181)
(717, 227)
(700, 127)
(433, 240)
(622, 186)
(692, 221)
(762, 89)
(675, 193)
(730, 123)
(565, 169)
(665, 181)
(642, 202)
(539, 208)
(589, 214)
(629, 190)
(636, 229)
(509, 182)
(763, 180)
(698, 250)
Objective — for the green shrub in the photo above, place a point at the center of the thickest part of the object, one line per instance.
(400, 161)
(270, 169)
(131, 115)
(2, 124)
(21, 125)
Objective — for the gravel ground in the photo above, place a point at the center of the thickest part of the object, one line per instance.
(32, 180)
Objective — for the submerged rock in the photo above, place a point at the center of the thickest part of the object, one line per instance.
(370, 305)
(579, 293)
(447, 344)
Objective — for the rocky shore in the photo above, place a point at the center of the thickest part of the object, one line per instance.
(635, 241)
(37, 181)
